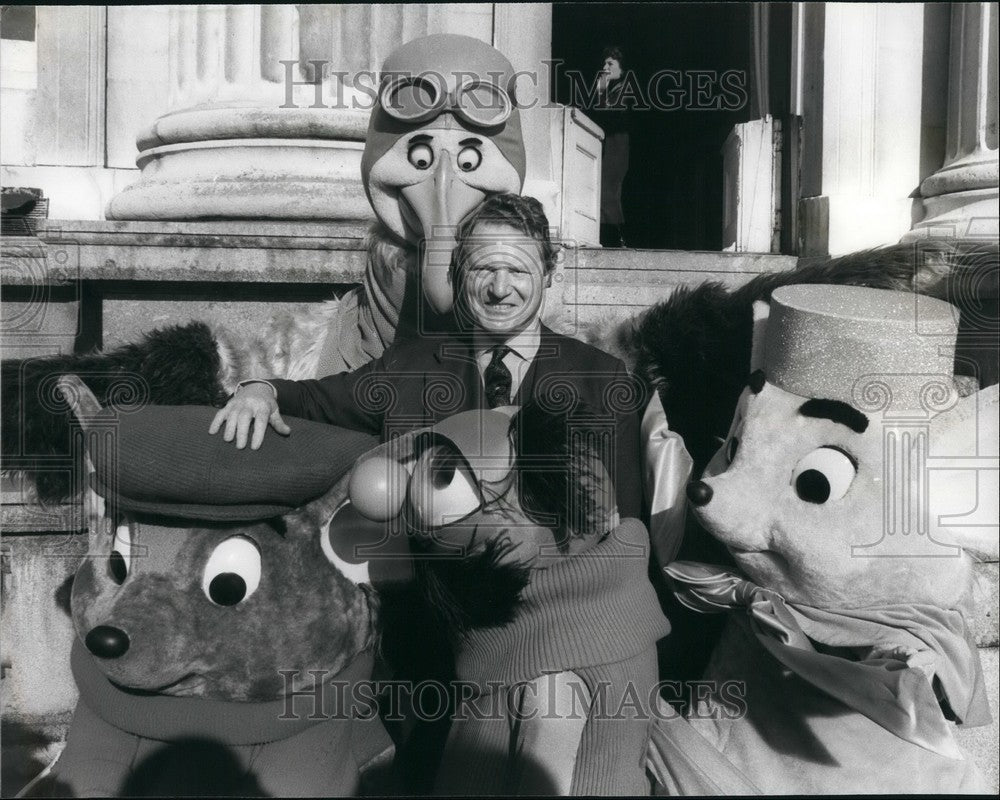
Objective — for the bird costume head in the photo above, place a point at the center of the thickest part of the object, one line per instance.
(445, 133)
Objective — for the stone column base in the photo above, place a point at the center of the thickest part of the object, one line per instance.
(244, 162)
(842, 223)
(972, 214)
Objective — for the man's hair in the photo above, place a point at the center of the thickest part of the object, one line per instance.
(524, 214)
(615, 52)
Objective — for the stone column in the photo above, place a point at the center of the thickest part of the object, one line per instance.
(523, 33)
(252, 131)
(960, 199)
(862, 124)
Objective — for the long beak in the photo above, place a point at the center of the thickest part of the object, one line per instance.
(440, 202)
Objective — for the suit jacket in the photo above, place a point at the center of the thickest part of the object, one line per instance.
(418, 382)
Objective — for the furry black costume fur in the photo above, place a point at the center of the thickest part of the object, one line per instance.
(477, 591)
(177, 365)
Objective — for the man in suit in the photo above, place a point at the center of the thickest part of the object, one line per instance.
(501, 354)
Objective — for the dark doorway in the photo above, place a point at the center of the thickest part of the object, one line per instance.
(673, 194)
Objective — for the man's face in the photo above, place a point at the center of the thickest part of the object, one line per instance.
(504, 280)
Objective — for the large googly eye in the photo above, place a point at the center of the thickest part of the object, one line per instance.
(442, 490)
(824, 475)
(121, 552)
(469, 159)
(421, 156)
(232, 572)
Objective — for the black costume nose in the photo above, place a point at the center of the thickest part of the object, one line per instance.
(699, 493)
(105, 641)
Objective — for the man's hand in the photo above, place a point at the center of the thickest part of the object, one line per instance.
(253, 403)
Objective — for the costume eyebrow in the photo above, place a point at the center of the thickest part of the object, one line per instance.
(420, 138)
(466, 142)
(835, 411)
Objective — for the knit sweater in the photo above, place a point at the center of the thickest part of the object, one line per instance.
(595, 614)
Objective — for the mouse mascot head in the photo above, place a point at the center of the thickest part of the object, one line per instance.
(444, 134)
(855, 492)
(856, 402)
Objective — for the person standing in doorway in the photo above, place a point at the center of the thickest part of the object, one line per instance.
(614, 118)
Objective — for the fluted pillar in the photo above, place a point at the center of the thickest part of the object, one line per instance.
(960, 199)
(252, 130)
(862, 79)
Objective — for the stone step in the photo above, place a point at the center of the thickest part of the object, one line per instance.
(227, 251)
(135, 276)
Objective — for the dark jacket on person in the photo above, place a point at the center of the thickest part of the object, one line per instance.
(611, 110)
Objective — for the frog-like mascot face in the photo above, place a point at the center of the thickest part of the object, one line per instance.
(481, 499)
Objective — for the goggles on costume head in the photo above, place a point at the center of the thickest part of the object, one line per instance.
(420, 98)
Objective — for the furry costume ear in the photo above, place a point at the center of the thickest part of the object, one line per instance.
(173, 366)
(321, 510)
(85, 409)
(79, 398)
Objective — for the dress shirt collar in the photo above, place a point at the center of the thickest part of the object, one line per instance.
(524, 344)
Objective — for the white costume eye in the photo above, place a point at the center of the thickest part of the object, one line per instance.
(442, 490)
(232, 572)
(343, 531)
(421, 156)
(823, 475)
(469, 158)
(121, 552)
